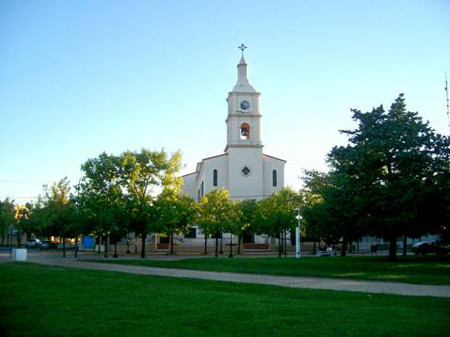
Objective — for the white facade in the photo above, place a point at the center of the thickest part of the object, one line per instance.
(242, 169)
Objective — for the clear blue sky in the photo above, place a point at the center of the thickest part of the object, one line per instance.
(81, 77)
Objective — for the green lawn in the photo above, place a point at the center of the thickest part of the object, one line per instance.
(410, 269)
(49, 301)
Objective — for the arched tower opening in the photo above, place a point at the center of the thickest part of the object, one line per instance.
(245, 131)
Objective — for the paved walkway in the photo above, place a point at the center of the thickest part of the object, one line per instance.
(282, 281)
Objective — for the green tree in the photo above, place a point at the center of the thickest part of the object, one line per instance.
(247, 219)
(22, 221)
(175, 214)
(217, 214)
(58, 211)
(234, 225)
(39, 218)
(276, 216)
(7, 217)
(310, 196)
(28, 223)
(391, 165)
(100, 194)
(331, 209)
(142, 173)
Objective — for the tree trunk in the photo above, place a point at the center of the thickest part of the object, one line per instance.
(314, 245)
(221, 242)
(64, 246)
(106, 246)
(136, 243)
(99, 244)
(285, 243)
(128, 243)
(231, 246)
(76, 246)
(3, 238)
(280, 244)
(143, 236)
(217, 244)
(206, 245)
(19, 238)
(239, 245)
(115, 250)
(344, 244)
(9, 243)
(392, 248)
(171, 243)
(405, 240)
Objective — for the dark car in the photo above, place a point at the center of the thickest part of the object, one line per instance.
(429, 248)
(48, 245)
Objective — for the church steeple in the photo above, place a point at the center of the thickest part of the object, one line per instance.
(242, 84)
(244, 119)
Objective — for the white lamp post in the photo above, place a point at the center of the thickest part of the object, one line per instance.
(298, 249)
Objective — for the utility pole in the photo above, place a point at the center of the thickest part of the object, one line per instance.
(448, 111)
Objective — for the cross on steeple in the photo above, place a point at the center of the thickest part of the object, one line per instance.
(242, 47)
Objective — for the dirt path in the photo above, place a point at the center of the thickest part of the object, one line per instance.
(282, 281)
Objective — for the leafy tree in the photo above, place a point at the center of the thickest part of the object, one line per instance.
(247, 219)
(175, 213)
(39, 218)
(141, 173)
(58, 211)
(391, 165)
(276, 216)
(22, 221)
(331, 210)
(7, 217)
(217, 214)
(100, 194)
(310, 196)
(234, 225)
(80, 222)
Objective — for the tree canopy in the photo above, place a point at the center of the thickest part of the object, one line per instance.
(382, 182)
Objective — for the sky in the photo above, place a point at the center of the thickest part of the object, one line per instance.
(78, 78)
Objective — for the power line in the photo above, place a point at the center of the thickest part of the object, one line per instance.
(14, 197)
(24, 182)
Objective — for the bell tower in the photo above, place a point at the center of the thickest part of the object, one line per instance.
(243, 169)
(243, 119)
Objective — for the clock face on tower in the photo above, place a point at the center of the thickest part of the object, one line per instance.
(245, 105)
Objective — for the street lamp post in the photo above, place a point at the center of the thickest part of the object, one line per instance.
(298, 249)
(9, 241)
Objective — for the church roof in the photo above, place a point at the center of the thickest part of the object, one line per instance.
(266, 155)
(199, 164)
(242, 84)
(189, 174)
(242, 61)
(219, 155)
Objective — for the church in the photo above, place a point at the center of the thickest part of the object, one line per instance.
(243, 169)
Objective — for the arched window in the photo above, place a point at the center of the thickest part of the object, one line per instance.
(245, 131)
(215, 178)
(274, 178)
(203, 189)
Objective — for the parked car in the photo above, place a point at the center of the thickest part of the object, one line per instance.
(33, 243)
(48, 245)
(431, 247)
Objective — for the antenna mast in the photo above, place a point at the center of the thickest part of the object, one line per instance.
(448, 112)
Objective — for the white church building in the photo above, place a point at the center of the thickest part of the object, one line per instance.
(243, 169)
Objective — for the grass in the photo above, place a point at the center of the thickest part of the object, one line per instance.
(49, 301)
(410, 269)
